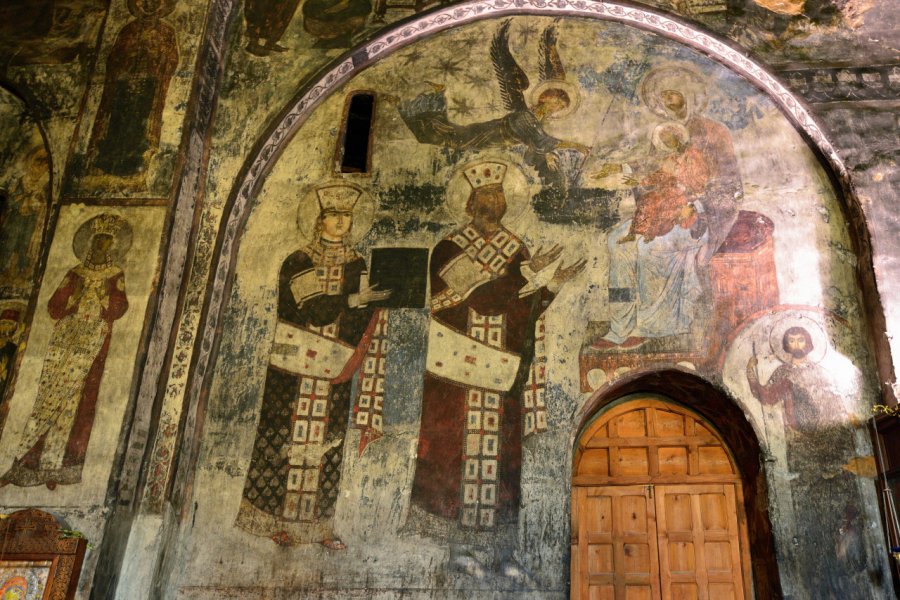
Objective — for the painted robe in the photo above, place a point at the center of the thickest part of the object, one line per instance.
(140, 66)
(819, 442)
(480, 394)
(294, 476)
(85, 306)
(720, 201)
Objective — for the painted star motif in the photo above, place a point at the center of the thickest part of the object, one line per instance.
(463, 107)
(476, 79)
(412, 57)
(449, 67)
(526, 32)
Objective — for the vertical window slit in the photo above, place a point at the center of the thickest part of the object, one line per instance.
(357, 134)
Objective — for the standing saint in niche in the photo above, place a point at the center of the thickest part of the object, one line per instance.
(140, 66)
(85, 305)
(819, 436)
(324, 324)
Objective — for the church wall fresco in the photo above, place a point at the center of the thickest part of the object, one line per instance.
(587, 215)
(75, 375)
(130, 129)
(25, 188)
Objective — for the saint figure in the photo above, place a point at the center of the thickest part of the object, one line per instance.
(140, 66)
(85, 305)
(321, 338)
(486, 297)
(656, 283)
(819, 441)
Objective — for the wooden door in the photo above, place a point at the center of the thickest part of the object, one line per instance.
(618, 544)
(657, 509)
(699, 542)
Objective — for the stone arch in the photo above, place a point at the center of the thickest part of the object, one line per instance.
(717, 407)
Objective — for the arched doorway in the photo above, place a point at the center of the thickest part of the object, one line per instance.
(657, 507)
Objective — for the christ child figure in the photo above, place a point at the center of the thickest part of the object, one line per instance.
(665, 196)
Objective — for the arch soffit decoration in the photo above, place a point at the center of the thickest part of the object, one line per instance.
(268, 149)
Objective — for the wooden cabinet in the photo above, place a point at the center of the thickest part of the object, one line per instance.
(657, 509)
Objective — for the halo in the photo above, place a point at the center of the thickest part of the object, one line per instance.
(813, 327)
(680, 78)
(308, 211)
(572, 90)
(517, 187)
(655, 135)
(81, 242)
(163, 9)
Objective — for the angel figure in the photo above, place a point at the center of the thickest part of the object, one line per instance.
(426, 115)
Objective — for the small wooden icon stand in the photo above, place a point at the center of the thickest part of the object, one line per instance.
(32, 540)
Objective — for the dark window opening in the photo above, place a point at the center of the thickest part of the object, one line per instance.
(357, 131)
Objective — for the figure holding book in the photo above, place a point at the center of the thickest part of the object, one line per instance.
(324, 324)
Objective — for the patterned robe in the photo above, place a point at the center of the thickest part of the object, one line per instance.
(467, 481)
(56, 436)
(295, 470)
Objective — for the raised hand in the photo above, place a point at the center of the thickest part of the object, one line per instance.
(564, 274)
(541, 260)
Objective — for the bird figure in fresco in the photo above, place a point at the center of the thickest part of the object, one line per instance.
(523, 124)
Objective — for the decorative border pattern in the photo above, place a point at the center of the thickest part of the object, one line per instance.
(852, 84)
(160, 469)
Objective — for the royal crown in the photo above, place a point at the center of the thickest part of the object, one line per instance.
(337, 198)
(108, 224)
(485, 173)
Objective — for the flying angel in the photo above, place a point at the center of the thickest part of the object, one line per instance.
(426, 115)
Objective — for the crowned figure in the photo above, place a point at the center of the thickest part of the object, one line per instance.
(481, 396)
(90, 298)
(324, 322)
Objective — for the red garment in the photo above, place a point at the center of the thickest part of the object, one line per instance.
(69, 307)
(671, 187)
(438, 486)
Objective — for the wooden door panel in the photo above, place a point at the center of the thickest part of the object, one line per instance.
(699, 540)
(615, 546)
(678, 540)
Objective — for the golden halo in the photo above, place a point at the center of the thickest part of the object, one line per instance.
(812, 326)
(517, 187)
(308, 211)
(121, 232)
(677, 77)
(573, 91)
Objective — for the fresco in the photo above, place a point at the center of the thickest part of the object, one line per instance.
(136, 101)
(25, 191)
(588, 211)
(66, 409)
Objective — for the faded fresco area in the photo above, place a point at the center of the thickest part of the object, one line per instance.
(25, 191)
(136, 100)
(407, 349)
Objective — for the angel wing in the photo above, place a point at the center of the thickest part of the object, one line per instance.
(512, 79)
(551, 67)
